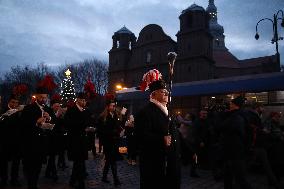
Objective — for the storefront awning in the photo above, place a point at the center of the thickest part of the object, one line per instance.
(248, 83)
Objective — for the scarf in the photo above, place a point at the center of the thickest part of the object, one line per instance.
(160, 105)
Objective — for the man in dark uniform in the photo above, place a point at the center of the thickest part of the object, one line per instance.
(157, 165)
(235, 149)
(77, 121)
(35, 118)
(10, 141)
(54, 135)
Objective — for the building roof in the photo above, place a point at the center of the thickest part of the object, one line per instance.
(193, 7)
(252, 62)
(224, 58)
(228, 60)
(124, 30)
(248, 83)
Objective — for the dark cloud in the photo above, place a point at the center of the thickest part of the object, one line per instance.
(56, 32)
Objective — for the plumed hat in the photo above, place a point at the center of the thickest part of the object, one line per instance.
(19, 91)
(46, 86)
(56, 98)
(41, 90)
(14, 97)
(148, 78)
(81, 95)
(156, 85)
(110, 98)
(89, 87)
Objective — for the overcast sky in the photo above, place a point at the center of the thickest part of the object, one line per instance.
(67, 31)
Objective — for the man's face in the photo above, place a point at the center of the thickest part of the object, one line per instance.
(13, 103)
(111, 107)
(161, 95)
(81, 102)
(55, 107)
(41, 98)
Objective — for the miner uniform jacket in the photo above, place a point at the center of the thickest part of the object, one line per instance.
(151, 125)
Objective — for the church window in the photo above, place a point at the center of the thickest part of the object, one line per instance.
(148, 57)
(117, 44)
(189, 20)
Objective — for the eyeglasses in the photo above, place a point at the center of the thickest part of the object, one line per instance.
(164, 92)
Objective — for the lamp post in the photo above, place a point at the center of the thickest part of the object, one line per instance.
(275, 37)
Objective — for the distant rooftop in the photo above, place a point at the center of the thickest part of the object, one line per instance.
(193, 7)
(124, 30)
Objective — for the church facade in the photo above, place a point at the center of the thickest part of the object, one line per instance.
(201, 49)
(200, 46)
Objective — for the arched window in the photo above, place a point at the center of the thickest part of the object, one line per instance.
(189, 21)
(148, 57)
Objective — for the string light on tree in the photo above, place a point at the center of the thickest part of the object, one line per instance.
(67, 88)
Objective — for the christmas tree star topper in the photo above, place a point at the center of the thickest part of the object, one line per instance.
(68, 72)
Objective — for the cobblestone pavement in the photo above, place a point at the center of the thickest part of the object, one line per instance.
(129, 176)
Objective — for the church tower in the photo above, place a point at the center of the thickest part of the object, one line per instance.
(194, 45)
(119, 56)
(216, 29)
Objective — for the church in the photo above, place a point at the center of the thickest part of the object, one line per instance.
(202, 53)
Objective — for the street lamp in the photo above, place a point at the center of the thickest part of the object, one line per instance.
(118, 87)
(275, 37)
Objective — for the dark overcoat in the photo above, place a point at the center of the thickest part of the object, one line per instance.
(10, 135)
(110, 129)
(76, 122)
(34, 138)
(151, 125)
(234, 136)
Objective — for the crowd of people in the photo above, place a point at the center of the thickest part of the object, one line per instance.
(46, 133)
(225, 140)
(232, 138)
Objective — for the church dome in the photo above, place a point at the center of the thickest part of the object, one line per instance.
(124, 30)
(193, 7)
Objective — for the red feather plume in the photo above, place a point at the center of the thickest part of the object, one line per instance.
(89, 87)
(48, 83)
(149, 77)
(56, 97)
(109, 96)
(21, 89)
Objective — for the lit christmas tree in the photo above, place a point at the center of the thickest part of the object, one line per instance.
(67, 89)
